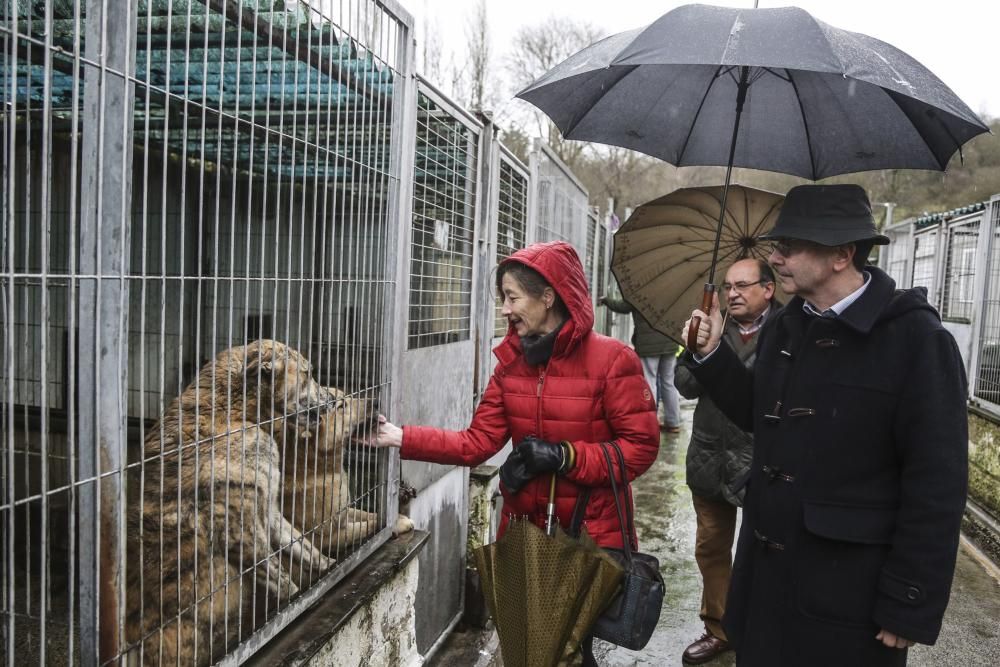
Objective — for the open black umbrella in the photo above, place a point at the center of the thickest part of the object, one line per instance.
(771, 89)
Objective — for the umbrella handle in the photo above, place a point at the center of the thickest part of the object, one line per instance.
(706, 307)
(550, 518)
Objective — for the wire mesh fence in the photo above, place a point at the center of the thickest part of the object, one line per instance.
(512, 220)
(196, 198)
(444, 215)
(987, 377)
(202, 206)
(960, 270)
(925, 261)
(955, 255)
(561, 204)
(603, 249)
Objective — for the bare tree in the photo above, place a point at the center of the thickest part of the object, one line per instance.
(368, 19)
(478, 34)
(431, 60)
(535, 50)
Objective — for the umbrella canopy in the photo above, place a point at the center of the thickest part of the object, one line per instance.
(544, 592)
(819, 101)
(663, 251)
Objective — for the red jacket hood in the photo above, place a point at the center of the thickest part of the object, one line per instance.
(559, 264)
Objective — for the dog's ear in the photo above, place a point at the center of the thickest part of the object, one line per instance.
(259, 363)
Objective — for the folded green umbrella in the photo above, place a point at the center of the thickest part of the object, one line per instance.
(544, 592)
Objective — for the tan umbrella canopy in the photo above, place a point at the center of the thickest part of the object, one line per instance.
(663, 252)
(545, 593)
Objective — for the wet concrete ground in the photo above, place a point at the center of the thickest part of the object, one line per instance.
(665, 522)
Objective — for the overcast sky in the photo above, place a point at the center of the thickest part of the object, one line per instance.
(957, 39)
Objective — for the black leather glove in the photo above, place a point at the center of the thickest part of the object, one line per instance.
(540, 456)
(530, 458)
(514, 472)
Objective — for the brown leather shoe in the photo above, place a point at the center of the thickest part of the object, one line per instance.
(704, 649)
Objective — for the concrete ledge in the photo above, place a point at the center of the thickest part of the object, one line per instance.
(982, 530)
(468, 647)
(313, 635)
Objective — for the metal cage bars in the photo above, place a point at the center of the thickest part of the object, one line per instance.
(445, 210)
(246, 189)
(512, 219)
(128, 273)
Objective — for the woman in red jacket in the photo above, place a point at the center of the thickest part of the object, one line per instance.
(559, 389)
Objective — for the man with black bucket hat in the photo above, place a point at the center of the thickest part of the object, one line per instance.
(855, 496)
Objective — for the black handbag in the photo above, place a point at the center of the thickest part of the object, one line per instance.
(631, 617)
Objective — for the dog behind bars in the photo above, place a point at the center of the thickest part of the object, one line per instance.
(317, 495)
(212, 533)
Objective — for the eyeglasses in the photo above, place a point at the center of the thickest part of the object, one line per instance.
(741, 286)
(788, 247)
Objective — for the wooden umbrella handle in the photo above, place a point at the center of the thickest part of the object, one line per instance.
(706, 307)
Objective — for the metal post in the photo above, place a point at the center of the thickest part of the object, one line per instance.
(988, 227)
(104, 249)
(398, 229)
(486, 230)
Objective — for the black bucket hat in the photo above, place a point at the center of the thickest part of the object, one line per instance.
(829, 215)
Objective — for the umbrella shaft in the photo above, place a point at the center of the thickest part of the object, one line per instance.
(550, 511)
(741, 96)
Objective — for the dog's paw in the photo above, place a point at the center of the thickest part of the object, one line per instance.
(324, 563)
(403, 525)
(288, 589)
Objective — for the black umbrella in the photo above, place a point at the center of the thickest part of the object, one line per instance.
(771, 89)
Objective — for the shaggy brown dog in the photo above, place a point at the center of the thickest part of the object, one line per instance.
(207, 538)
(317, 495)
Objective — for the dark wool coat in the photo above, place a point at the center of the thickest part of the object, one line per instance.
(858, 482)
(592, 390)
(719, 454)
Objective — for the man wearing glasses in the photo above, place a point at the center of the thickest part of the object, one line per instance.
(719, 453)
(857, 403)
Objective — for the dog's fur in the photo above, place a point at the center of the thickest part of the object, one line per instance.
(317, 496)
(212, 534)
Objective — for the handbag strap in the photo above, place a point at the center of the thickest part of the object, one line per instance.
(625, 521)
(625, 494)
(626, 539)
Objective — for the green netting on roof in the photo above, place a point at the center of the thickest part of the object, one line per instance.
(212, 74)
(930, 219)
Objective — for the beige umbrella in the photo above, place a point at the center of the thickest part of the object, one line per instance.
(545, 591)
(663, 253)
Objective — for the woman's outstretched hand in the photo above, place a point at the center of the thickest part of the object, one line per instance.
(386, 435)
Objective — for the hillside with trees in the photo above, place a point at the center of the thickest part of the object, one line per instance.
(632, 178)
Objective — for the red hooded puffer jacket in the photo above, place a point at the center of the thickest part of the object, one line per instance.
(592, 390)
